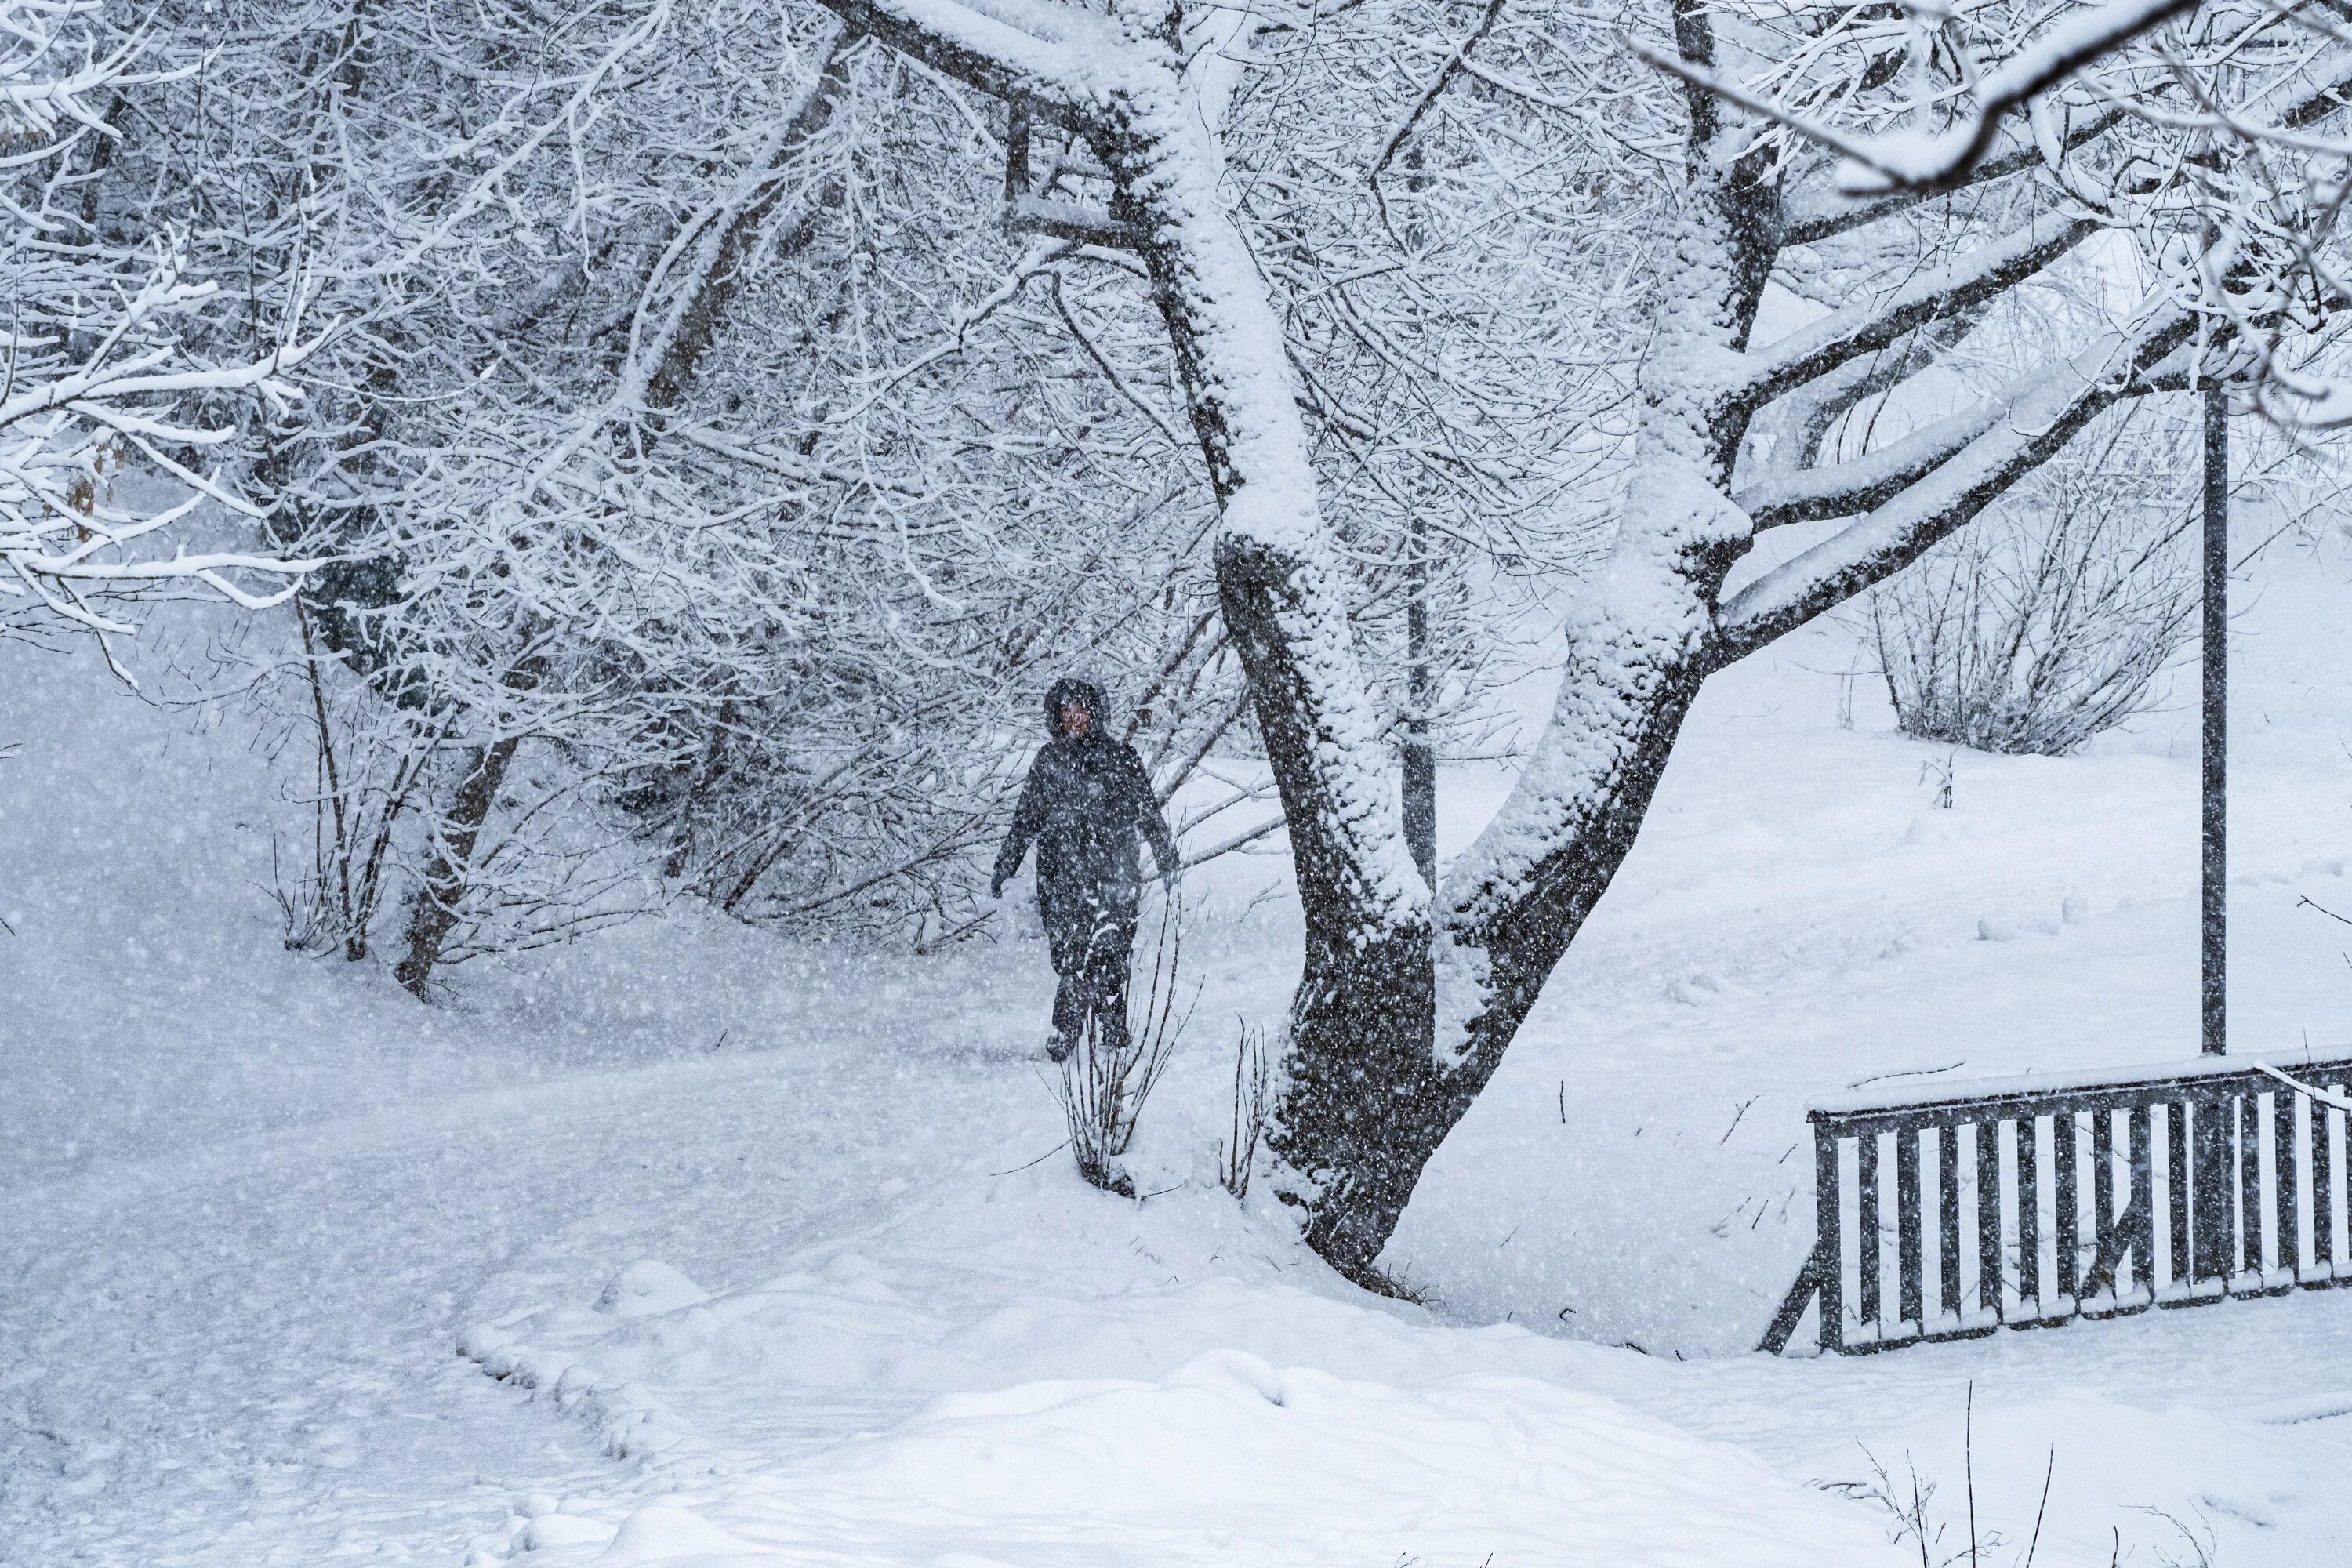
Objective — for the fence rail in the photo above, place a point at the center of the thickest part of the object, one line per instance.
(2030, 1203)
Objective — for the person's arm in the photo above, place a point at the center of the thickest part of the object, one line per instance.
(1149, 818)
(1027, 818)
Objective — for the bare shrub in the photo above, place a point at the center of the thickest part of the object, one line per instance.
(1107, 1081)
(2197, 1542)
(1253, 1102)
(304, 905)
(1909, 1518)
(361, 790)
(1906, 1505)
(2046, 623)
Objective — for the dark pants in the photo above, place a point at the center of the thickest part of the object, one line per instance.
(1090, 934)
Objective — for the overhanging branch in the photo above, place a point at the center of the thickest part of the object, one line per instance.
(1826, 212)
(1840, 489)
(1929, 509)
(1059, 219)
(1946, 160)
(1961, 284)
(1035, 63)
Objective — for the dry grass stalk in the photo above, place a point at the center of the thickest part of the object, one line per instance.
(1252, 1102)
(1105, 1084)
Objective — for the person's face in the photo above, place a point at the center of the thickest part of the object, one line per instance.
(1075, 720)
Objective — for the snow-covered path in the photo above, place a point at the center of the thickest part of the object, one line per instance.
(241, 1356)
(244, 1350)
(245, 1355)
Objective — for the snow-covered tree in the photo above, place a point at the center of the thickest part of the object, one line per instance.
(1412, 994)
(697, 494)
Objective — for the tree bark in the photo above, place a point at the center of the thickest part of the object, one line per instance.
(1419, 785)
(433, 914)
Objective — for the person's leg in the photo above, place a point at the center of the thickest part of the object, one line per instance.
(1109, 958)
(1069, 1016)
(1066, 930)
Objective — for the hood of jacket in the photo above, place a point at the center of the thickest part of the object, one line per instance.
(1068, 689)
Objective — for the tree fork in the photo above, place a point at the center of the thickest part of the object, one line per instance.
(1366, 1016)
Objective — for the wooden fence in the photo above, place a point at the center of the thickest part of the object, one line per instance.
(2032, 1201)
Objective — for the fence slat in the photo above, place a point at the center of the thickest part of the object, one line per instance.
(1909, 1283)
(2104, 1240)
(2286, 1183)
(1827, 1199)
(2212, 1235)
(2029, 1216)
(2067, 1229)
(2177, 1197)
(1865, 1228)
(1947, 1216)
(1988, 1218)
(2322, 1192)
(2139, 1202)
(2246, 1149)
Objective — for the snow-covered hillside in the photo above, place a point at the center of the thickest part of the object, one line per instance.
(688, 1243)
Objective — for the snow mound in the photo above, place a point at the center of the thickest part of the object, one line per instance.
(658, 1533)
(1342, 1433)
(647, 1288)
(1228, 1460)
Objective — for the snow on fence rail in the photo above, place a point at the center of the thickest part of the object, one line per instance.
(2165, 1186)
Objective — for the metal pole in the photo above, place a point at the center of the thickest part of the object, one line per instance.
(1419, 795)
(2216, 989)
(1420, 798)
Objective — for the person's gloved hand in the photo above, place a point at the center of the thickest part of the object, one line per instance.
(1168, 879)
(996, 888)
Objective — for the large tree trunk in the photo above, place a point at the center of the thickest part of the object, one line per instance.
(1364, 1097)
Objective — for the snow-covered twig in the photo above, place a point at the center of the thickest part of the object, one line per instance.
(1934, 160)
(2315, 1095)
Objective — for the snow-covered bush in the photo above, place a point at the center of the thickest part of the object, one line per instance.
(2049, 622)
(665, 528)
(663, 535)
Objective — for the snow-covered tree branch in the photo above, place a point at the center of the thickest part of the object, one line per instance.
(101, 433)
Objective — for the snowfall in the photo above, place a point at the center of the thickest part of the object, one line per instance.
(690, 1243)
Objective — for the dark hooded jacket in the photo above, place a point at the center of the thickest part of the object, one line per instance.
(1086, 800)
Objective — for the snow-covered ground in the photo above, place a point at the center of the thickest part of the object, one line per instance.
(686, 1243)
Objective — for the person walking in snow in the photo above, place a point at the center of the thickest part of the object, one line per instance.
(1086, 801)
